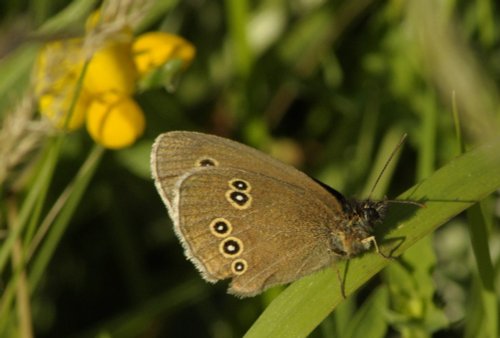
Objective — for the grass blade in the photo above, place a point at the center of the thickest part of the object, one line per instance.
(449, 191)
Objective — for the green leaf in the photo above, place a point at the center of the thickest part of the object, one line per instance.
(450, 190)
(370, 320)
(74, 12)
(485, 310)
(412, 292)
(70, 198)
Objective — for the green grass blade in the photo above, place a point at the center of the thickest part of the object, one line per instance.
(74, 12)
(450, 190)
(237, 18)
(488, 297)
(388, 145)
(36, 192)
(370, 319)
(29, 214)
(75, 192)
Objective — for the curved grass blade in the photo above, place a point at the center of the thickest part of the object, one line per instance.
(450, 190)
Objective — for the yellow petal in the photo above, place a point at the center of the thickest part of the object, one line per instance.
(93, 20)
(153, 49)
(115, 121)
(58, 64)
(58, 67)
(56, 108)
(112, 69)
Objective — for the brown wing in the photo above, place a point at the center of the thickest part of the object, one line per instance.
(177, 152)
(256, 229)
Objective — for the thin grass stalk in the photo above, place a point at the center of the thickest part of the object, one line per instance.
(76, 190)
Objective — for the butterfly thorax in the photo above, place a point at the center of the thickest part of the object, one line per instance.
(354, 234)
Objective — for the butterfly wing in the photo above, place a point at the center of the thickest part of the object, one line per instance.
(254, 228)
(177, 152)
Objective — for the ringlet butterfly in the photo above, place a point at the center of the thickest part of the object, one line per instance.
(243, 215)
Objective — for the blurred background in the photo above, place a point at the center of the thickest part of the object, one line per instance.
(327, 86)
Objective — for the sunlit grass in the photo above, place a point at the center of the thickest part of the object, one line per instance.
(87, 249)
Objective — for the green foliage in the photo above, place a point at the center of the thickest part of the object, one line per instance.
(87, 249)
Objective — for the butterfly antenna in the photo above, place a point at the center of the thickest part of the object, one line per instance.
(418, 204)
(394, 151)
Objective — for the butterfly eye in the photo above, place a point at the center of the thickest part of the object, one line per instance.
(370, 214)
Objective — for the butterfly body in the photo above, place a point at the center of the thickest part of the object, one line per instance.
(244, 215)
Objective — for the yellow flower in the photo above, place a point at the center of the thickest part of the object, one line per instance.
(115, 121)
(152, 50)
(112, 68)
(104, 101)
(58, 67)
(56, 108)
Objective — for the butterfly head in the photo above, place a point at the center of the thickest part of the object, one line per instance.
(368, 212)
(356, 232)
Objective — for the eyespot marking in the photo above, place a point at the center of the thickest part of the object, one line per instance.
(238, 199)
(240, 184)
(239, 266)
(206, 162)
(221, 227)
(231, 247)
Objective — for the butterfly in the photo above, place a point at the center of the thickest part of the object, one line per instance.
(242, 215)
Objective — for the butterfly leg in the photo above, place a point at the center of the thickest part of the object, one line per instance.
(340, 279)
(341, 282)
(372, 239)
